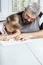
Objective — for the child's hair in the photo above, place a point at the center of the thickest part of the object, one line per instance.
(13, 21)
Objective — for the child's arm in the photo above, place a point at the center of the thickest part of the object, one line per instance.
(12, 36)
(4, 38)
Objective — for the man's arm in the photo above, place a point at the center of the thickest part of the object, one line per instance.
(38, 34)
(33, 35)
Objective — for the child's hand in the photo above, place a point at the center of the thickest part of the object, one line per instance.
(5, 39)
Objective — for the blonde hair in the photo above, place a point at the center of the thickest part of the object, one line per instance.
(13, 18)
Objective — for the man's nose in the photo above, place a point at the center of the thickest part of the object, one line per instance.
(29, 19)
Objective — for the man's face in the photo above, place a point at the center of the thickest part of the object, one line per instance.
(28, 17)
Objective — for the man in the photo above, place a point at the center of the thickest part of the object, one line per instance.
(29, 20)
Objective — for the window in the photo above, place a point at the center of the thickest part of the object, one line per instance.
(8, 7)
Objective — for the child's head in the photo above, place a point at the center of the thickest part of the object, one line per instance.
(12, 24)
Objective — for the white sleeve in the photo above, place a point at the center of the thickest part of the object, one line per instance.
(2, 29)
(41, 20)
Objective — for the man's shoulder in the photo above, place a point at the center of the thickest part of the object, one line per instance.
(19, 13)
(40, 15)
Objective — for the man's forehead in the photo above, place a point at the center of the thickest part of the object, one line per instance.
(29, 13)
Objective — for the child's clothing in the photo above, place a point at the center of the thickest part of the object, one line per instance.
(2, 30)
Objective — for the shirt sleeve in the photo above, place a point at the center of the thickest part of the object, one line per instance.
(41, 21)
(2, 30)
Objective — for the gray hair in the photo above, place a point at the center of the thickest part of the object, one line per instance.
(34, 8)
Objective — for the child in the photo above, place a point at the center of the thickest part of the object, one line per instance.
(11, 28)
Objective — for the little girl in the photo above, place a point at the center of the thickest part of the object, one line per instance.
(11, 28)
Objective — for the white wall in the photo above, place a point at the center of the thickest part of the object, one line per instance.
(5, 9)
(41, 4)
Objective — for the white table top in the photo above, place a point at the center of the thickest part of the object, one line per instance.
(28, 52)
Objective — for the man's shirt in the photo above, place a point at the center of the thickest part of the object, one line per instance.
(29, 27)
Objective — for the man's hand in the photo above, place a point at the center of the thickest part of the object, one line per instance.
(24, 36)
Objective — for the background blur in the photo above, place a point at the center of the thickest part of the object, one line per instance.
(8, 7)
